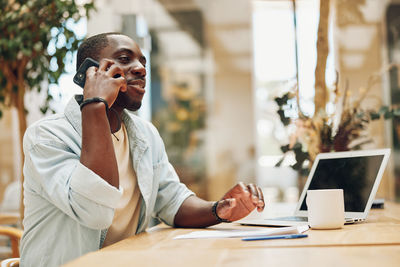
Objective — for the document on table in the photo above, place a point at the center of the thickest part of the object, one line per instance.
(226, 233)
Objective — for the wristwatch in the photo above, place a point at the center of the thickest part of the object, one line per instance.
(214, 211)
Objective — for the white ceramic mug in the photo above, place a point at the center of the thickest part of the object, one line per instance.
(325, 208)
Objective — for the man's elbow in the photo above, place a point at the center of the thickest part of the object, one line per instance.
(95, 217)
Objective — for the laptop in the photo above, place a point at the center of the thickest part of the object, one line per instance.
(358, 173)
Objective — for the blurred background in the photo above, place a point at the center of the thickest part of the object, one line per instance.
(216, 69)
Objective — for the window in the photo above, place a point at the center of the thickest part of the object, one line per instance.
(275, 73)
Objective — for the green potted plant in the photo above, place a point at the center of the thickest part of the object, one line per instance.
(27, 28)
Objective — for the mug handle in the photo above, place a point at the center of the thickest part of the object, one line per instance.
(307, 200)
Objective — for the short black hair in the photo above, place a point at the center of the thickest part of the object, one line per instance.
(92, 46)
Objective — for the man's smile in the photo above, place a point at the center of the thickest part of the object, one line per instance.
(137, 84)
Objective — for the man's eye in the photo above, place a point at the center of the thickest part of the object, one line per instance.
(123, 59)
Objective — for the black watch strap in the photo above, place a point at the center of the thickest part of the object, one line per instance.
(93, 100)
(214, 211)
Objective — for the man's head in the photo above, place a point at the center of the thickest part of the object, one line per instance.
(92, 46)
(126, 54)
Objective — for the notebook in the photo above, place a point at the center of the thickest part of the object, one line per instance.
(358, 173)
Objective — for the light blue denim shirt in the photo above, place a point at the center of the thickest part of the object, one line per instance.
(68, 207)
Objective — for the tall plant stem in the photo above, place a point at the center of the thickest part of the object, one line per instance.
(321, 94)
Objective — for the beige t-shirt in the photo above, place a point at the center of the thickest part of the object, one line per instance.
(126, 215)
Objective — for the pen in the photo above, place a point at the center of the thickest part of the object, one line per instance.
(274, 237)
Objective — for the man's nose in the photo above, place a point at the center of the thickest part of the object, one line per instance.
(138, 69)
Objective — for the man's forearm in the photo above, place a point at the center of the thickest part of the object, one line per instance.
(195, 212)
(97, 148)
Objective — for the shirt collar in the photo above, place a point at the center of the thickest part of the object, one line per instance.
(73, 114)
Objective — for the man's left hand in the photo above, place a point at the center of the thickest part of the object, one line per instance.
(240, 201)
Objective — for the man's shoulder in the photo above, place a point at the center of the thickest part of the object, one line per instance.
(48, 122)
(48, 128)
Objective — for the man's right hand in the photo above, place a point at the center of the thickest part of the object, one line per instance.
(97, 148)
(105, 81)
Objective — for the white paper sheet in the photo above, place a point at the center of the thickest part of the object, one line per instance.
(211, 233)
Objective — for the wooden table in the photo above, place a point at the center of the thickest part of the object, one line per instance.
(372, 243)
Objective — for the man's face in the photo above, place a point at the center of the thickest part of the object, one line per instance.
(128, 56)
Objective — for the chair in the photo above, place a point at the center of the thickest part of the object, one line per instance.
(15, 235)
(9, 220)
(12, 262)
(12, 219)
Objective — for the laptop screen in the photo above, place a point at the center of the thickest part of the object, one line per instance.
(355, 175)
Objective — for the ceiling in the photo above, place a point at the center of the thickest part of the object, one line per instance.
(185, 28)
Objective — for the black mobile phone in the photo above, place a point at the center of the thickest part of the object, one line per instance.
(80, 76)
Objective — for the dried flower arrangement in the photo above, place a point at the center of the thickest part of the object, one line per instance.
(344, 129)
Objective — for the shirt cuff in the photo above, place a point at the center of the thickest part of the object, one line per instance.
(171, 212)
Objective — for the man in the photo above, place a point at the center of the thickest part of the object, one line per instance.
(97, 173)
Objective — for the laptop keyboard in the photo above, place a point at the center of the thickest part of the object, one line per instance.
(292, 218)
(305, 219)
